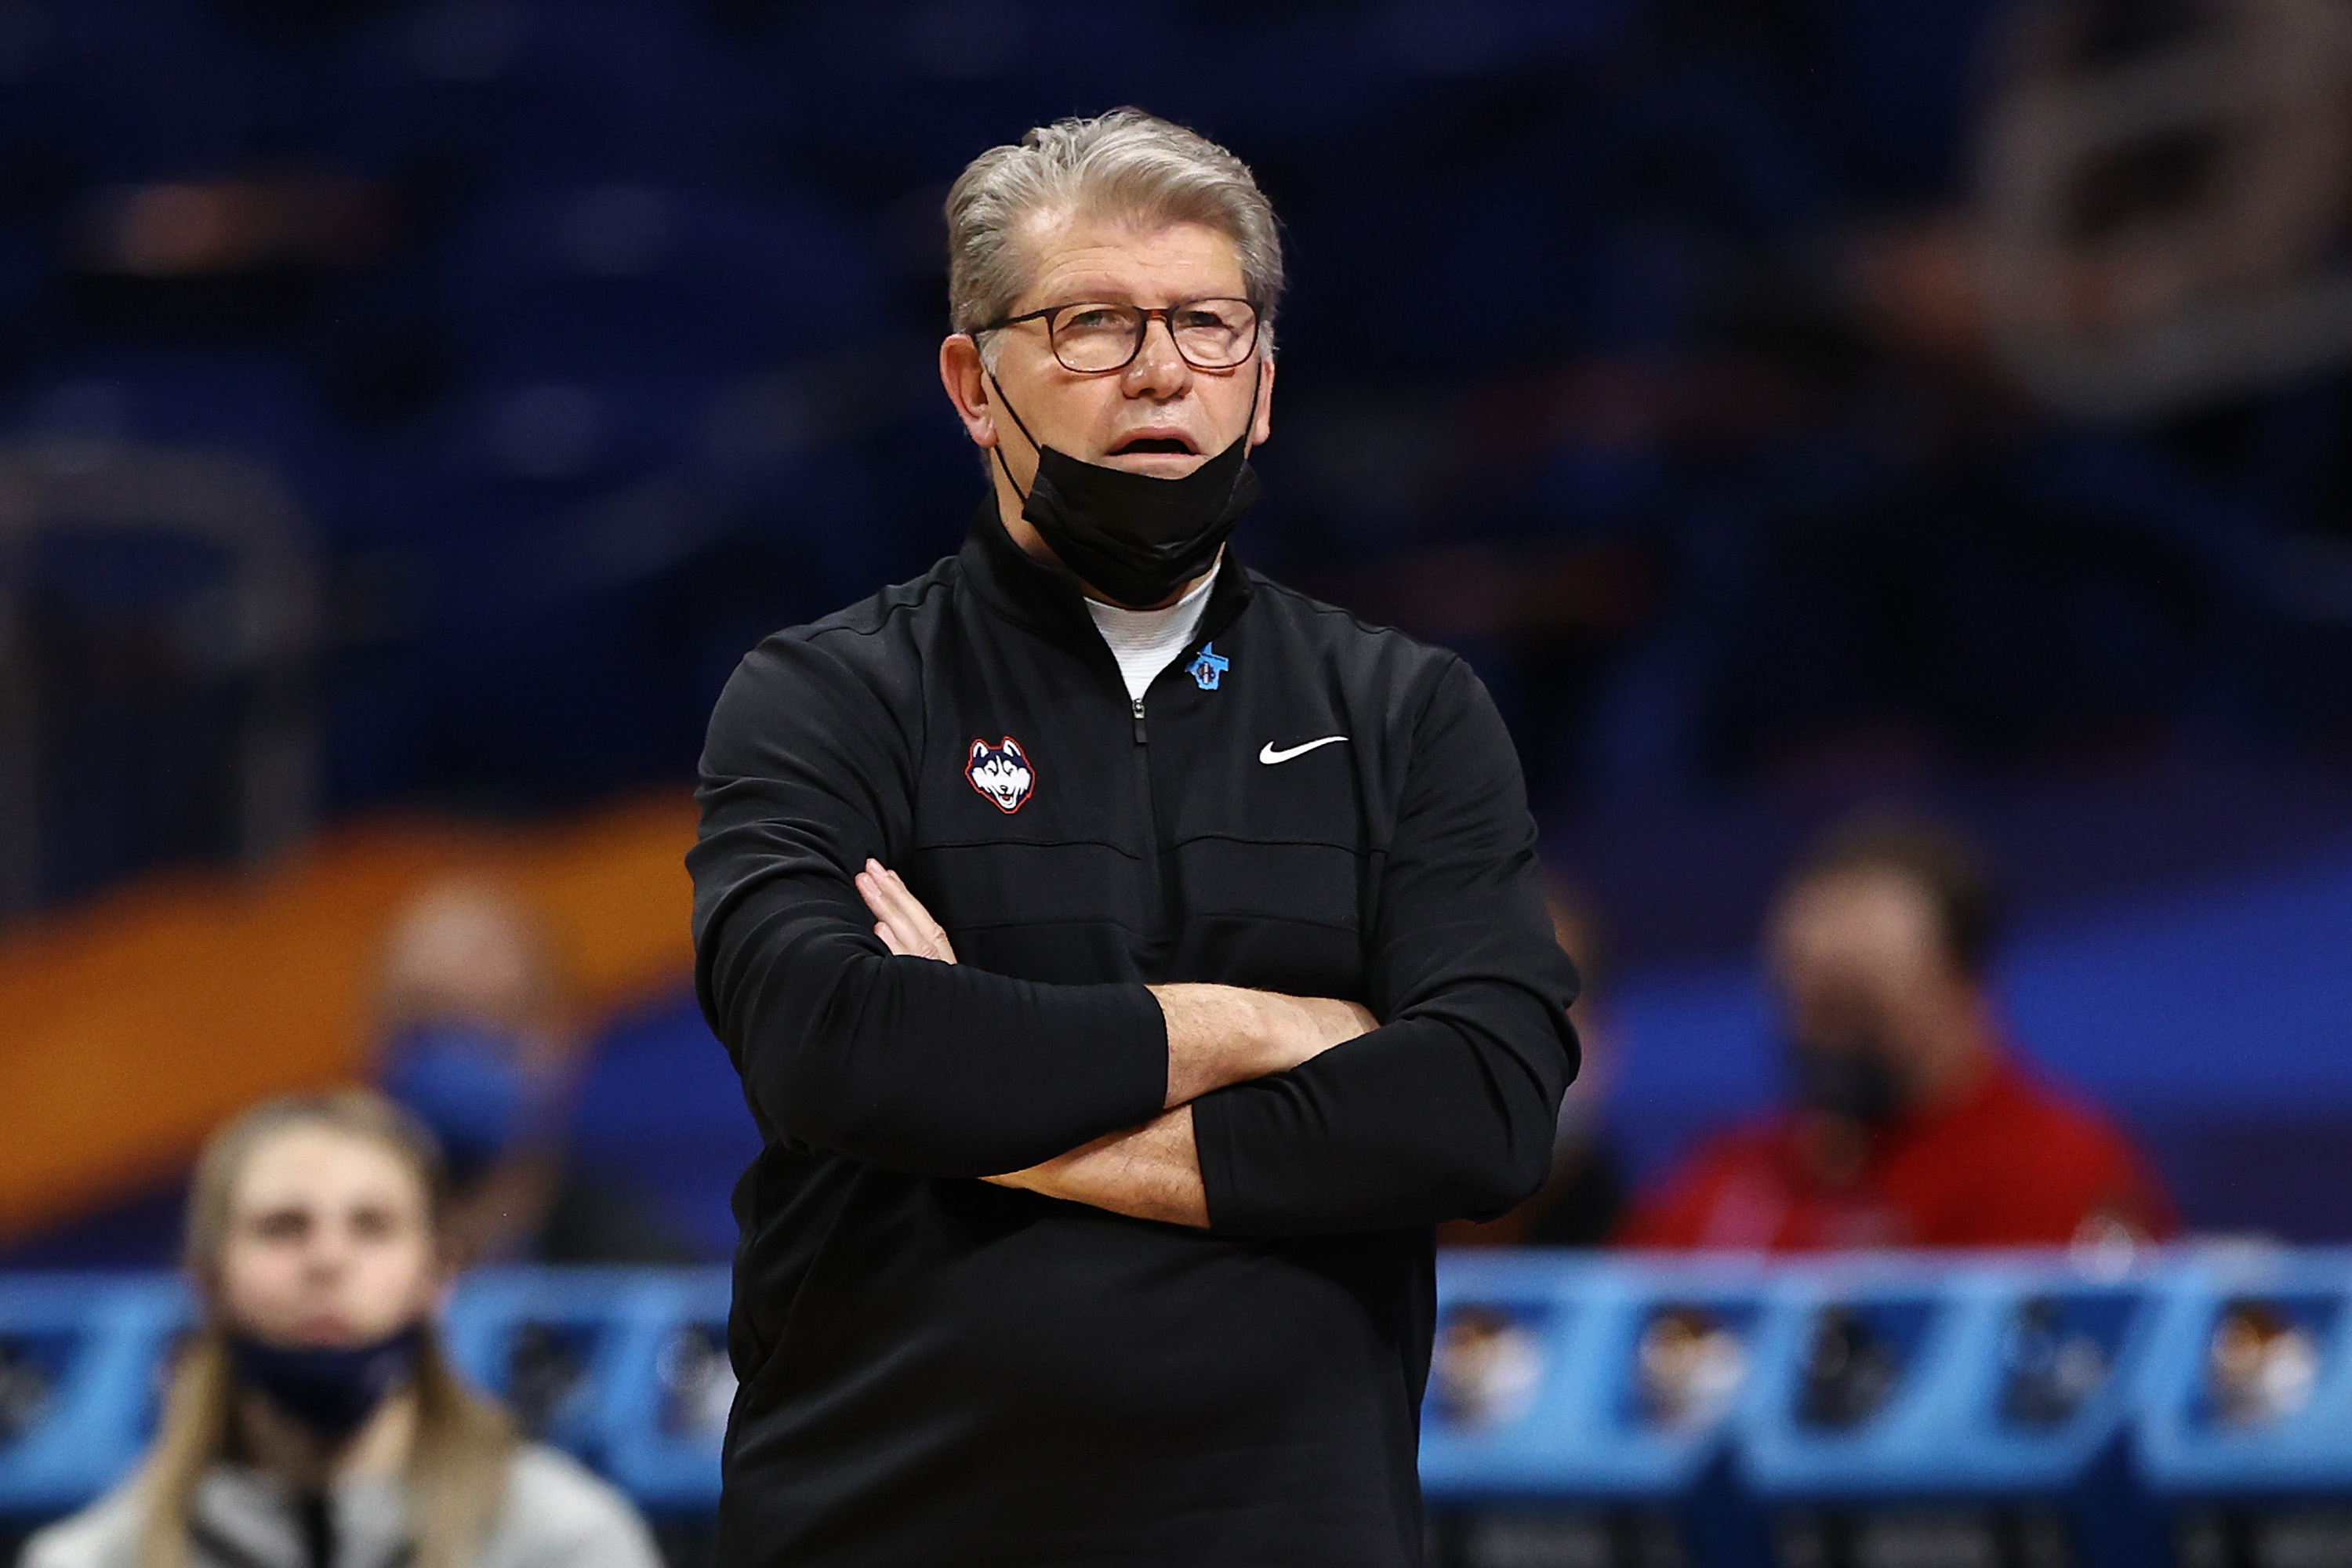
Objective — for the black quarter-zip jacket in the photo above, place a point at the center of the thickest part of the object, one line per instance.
(937, 1371)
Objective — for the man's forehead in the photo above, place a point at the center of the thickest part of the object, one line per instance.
(1124, 260)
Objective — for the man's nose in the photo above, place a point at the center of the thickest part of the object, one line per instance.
(1157, 370)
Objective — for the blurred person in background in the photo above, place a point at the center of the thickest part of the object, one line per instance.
(1584, 1200)
(1916, 1122)
(314, 1420)
(478, 1035)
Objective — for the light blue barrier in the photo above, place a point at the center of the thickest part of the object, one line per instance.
(78, 1383)
(624, 1367)
(2255, 1491)
(1569, 1460)
(2013, 1411)
(2017, 1411)
(1909, 1411)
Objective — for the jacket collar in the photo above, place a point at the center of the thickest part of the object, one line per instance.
(1045, 599)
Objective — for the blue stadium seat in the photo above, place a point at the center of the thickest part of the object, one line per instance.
(1929, 1407)
(79, 1359)
(1618, 1411)
(1618, 1418)
(667, 1403)
(625, 1368)
(2245, 1426)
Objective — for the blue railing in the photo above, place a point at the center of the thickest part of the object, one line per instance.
(2007, 1409)
(2191, 1407)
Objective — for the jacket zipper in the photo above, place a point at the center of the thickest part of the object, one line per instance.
(1158, 895)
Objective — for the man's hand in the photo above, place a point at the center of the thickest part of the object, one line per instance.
(1217, 1035)
(905, 927)
(1151, 1172)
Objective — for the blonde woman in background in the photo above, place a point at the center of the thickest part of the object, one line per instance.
(314, 1421)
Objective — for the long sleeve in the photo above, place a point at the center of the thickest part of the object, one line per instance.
(900, 1062)
(1449, 1108)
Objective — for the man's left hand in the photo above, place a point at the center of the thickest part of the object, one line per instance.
(905, 927)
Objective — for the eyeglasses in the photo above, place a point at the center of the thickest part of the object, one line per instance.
(1091, 338)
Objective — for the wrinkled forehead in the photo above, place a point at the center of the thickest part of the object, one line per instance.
(1125, 260)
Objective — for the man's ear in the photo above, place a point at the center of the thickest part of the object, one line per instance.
(1262, 427)
(967, 387)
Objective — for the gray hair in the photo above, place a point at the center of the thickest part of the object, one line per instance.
(1125, 163)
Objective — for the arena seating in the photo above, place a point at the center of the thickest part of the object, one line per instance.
(1878, 1410)
(1870, 1411)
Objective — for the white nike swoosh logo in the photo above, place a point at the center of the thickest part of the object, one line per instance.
(1266, 753)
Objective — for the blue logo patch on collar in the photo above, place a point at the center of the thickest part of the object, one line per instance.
(1208, 667)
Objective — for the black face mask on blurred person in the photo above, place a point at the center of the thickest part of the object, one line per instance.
(330, 1389)
(1135, 537)
(1857, 1081)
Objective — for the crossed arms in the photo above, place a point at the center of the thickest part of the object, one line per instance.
(1217, 1035)
(1250, 1112)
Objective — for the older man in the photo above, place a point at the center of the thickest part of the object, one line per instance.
(1129, 960)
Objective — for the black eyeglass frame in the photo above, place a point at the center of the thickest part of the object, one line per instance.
(1166, 319)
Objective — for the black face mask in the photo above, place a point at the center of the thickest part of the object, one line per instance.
(1855, 1081)
(330, 1389)
(1133, 537)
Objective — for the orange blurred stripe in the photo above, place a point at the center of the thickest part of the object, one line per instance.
(131, 1027)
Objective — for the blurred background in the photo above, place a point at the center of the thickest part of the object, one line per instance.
(410, 411)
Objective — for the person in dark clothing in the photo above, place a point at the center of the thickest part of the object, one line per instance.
(1129, 960)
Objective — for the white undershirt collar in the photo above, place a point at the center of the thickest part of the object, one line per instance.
(1144, 641)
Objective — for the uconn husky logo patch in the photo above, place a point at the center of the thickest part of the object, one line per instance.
(1002, 772)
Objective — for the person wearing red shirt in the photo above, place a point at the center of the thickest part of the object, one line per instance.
(1915, 1124)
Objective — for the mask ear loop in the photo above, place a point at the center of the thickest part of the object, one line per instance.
(1258, 388)
(997, 451)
